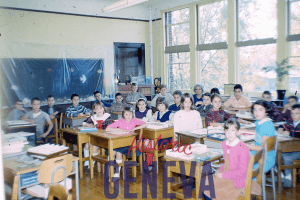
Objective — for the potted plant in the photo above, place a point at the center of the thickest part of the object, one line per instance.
(281, 70)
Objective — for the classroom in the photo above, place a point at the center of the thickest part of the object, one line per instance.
(152, 99)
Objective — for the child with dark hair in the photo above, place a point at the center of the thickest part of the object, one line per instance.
(264, 129)
(98, 97)
(214, 91)
(291, 128)
(286, 113)
(77, 110)
(238, 101)
(267, 96)
(18, 112)
(119, 105)
(206, 106)
(51, 109)
(142, 111)
(177, 101)
(163, 114)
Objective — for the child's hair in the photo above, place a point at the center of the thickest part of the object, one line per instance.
(96, 93)
(34, 99)
(177, 92)
(74, 95)
(232, 121)
(294, 97)
(50, 96)
(18, 102)
(267, 93)
(98, 104)
(162, 100)
(133, 84)
(264, 104)
(215, 90)
(118, 94)
(127, 109)
(207, 94)
(163, 86)
(214, 96)
(238, 86)
(198, 84)
(184, 96)
(296, 106)
(141, 99)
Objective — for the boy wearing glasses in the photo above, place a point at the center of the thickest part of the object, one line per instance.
(17, 112)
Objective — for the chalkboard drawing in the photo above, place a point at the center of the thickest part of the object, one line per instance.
(83, 78)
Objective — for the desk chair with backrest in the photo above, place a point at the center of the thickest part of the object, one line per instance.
(54, 170)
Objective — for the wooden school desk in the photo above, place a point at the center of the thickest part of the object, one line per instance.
(110, 141)
(17, 170)
(218, 144)
(73, 121)
(30, 128)
(286, 144)
(116, 115)
(74, 136)
(187, 163)
(188, 134)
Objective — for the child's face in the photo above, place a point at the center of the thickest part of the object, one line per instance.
(128, 116)
(50, 101)
(238, 93)
(141, 105)
(177, 98)
(187, 103)
(198, 90)
(216, 103)
(296, 115)
(231, 133)
(206, 100)
(19, 105)
(259, 112)
(99, 110)
(119, 99)
(36, 105)
(292, 101)
(98, 96)
(133, 88)
(161, 107)
(163, 91)
(75, 101)
(266, 97)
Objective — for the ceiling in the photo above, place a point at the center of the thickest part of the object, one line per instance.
(94, 7)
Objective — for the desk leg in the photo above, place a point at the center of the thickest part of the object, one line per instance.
(91, 160)
(133, 159)
(110, 156)
(279, 164)
(198, 180)
(77, 180)
(80, 156)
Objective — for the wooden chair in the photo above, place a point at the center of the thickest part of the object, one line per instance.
(253, 173)
(59, 192)
(11, 184)
(55, 131)
(203, 122)
(60, 167)
(270, 144)
(295, 172)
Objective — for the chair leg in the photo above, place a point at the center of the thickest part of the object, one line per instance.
(141, 163)
(273, 183)
(294, 177)
(263, 181)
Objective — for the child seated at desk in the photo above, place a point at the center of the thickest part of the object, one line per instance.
(217, 116)
(238, 101)
(187, 118)
(291, 128)
(99, 120)
(267, 96)
(17, 112)
(177, 101)
(206, 106)
(77, 110)
(40, 118)
(128, 123)
(163, 114)
(230, 179)
(286, 113)
(119, 105)
(142, 112)
(98, 97)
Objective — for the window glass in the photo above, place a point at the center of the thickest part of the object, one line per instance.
(295, 72)
(295, 17)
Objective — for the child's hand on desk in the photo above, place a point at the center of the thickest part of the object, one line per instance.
(286, 132)
(218, 175)
(52, 116)
(80, 115)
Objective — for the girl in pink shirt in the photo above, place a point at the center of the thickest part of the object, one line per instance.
(230, 179)
(128, 123)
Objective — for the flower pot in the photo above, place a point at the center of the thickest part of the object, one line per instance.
(281, 94)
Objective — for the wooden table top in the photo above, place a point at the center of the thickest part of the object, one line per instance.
(83, 117)
(188, 133)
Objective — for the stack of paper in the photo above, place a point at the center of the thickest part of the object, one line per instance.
(247, 115)
(17, 122)
(182, 155)
(199, 148)
(47, 149)
(87, 129)
(14, 142)
(157, 125)
(212, 130)
(202, 131)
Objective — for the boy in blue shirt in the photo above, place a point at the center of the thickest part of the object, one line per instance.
(77, 110)
(98, 99)
(177, 101)
(17, 112)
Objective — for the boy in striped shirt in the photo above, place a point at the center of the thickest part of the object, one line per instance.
(77, 110)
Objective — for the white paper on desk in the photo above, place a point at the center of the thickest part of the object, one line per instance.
(157, 125)
(202, 131)
(252, 125)
(247, 115)
(47, 149)
(17, 122)
(117, 132)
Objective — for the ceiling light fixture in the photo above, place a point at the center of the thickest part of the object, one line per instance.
(122, 4)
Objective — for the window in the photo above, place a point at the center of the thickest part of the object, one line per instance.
(212, 45)
(179, 70)
(252, 59)
(295, 72)
(294, 17)
(177, 27)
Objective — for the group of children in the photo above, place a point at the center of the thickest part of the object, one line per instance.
(186, 113)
